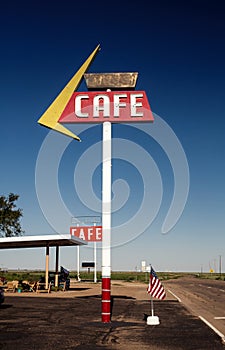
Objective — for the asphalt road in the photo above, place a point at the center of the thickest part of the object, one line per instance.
(73, 321)
(204, 298)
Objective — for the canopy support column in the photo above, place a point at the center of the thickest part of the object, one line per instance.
(57, 266)
(46, 267)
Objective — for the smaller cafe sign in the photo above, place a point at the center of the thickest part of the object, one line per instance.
(87, 233)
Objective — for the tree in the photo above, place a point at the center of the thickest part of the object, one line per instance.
(10, 216)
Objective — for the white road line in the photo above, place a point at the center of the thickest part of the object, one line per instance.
(219, 318)
(221, 335)
(175, 296)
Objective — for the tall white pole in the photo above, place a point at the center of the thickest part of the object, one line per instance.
(78, 262)
(106, 223)
(95, 261)
(220, 265)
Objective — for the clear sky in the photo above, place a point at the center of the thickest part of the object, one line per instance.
(177, 47)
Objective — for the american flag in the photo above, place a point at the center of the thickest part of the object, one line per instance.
(155, 288)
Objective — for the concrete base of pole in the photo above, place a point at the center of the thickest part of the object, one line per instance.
(106, 299)
(153, 320)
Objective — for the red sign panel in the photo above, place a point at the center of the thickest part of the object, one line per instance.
(87, 233)
(112, 106)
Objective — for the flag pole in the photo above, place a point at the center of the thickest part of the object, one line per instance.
(152, 308)
(151, 299)
(152, 320)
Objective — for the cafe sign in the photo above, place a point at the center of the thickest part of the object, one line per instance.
(113, 106)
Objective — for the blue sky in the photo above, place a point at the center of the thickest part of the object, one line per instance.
(178, 50)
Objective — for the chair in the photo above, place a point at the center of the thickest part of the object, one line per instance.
(12, 286)
(33, 286)
(62, 286)
(41, 288)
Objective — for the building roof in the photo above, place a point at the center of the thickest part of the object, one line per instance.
(40, 241)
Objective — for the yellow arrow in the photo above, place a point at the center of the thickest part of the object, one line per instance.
(52, 114)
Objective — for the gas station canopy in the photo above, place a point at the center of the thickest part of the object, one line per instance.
(40, 241)
(47, 241)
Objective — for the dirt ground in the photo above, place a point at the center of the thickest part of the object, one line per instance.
(72, 320)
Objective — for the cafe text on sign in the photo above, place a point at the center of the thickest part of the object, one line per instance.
(112, 106)
(87, 233)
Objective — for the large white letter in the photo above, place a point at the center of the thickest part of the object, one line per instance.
(98, 234)
(105, 107)
(73, 231)
(90, 233)
(134, 104)
(118, 104)
(82, 235)
(78, 112)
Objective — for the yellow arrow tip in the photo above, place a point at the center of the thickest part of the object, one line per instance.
(52, 114)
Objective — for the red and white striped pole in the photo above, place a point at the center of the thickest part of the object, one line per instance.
(106, 223)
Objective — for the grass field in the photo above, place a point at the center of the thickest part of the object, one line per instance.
(123, 275)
